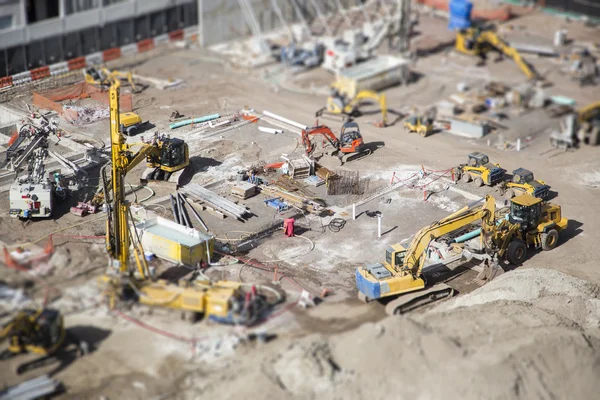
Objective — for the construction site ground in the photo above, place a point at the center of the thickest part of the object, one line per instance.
(532, 333)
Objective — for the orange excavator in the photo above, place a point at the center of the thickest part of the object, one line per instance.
(349, 147)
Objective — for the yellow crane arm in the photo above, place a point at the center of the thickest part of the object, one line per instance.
(369, 94)
(416, 253)
(493, 39)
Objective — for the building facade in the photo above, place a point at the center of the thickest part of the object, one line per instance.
(36, 33)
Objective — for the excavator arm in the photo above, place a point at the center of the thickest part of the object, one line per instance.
(371, 95)
(417, 251)
(318, 130)
(494, 40)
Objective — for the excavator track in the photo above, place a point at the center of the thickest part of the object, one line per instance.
(412, 301)
(346, 158)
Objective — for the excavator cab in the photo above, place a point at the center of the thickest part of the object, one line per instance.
(394, 256)
(350, 136)
(172, 155)
(35, 331)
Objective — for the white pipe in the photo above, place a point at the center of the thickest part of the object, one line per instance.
(519, 144)
(283, 119)
(379, 225)
(353, 211)
(269, 130)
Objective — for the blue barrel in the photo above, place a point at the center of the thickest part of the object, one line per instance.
(460, 14)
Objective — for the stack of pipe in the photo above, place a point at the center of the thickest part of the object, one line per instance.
(180, 213)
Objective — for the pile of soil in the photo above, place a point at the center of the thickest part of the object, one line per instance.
(531, 333)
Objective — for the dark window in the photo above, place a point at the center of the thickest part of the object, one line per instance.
(141, 28)
(5, 22)
(3, 64)
(15, 58)
(73, 6)
(173, 19)
(190, 14)
(38, 10)
(125, 32)
(71, 46)
(89, 40)
(158, 23)
(109, 2)
(53, 50)
(35, 55)
(108, 36)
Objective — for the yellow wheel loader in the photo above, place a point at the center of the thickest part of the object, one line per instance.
(480, 170)
(421, 124)
(530, 223)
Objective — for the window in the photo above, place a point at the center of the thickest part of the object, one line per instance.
(3, 64)
(108, 36)
(38, 10)
(53, 50)
(553, 215)
(190, 14)
(89, 40)
(35, 55)
(125, 32)
(71, 46)
(158, 23)
(5, 22)
(73, 6)
(109, 2)
(15, 60)
(173, 19)
(400, 258)
(141, 28)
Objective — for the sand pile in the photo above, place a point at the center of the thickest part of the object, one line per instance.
(532, 333)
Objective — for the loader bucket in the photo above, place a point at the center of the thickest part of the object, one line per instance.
(490, 271)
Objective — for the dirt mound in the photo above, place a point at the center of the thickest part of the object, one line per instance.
(530, 334)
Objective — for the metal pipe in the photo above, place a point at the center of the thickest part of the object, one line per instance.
(184, 212)
(195, 213)
(379, 225)
(174, 209)
(180, 209)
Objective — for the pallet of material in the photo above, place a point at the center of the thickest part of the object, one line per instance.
(288, 184)
(243, 190)
(314, 181)
(219, 203)
(299, 169)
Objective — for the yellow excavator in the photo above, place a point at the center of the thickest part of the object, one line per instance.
(127, 281)
(103, 77)
(340, 104)
(476, 41)
(40, 332)
(528, 223)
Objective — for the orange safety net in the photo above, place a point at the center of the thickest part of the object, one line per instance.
(50, 99)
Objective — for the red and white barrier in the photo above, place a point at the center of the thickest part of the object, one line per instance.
(74, 64)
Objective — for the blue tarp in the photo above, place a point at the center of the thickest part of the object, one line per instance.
(460, 14)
